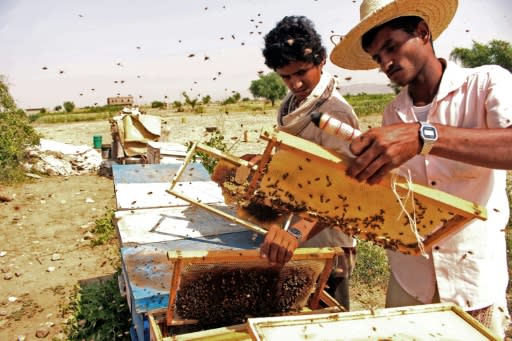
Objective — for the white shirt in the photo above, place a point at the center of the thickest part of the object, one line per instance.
(470, 267)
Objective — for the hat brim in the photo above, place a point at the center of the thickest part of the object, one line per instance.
(349, 53)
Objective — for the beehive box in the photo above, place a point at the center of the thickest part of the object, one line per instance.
(224, 287)
(442, 321)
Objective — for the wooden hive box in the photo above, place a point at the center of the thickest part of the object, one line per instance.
(216, 288)
(441, 321)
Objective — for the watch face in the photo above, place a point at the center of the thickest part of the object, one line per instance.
(295, 232)
(429, 133)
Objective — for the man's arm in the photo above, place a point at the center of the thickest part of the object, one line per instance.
(379, 150)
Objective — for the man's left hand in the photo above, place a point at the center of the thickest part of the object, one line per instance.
(278, 246)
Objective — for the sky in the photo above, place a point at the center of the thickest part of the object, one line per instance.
(87, 50)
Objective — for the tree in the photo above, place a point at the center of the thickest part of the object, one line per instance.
(232, 99)
(497, 52)
(190, 101)
(178, 106)
(206, 99)
(157, 104)
(269, 86)
(236, 96)
(69, 106)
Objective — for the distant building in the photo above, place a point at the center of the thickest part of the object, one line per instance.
(33, 111)
(127, 100)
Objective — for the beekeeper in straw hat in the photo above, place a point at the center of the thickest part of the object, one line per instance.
(450, 126)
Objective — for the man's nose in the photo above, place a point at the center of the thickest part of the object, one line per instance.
(296, 83)
(386, 64)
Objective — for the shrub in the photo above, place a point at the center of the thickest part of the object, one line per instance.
(69, 106)
(229, 100)
(99, 312)
(104, 108)
(199, 109)
(215, 140)
(371, 265)
(178, 106)
(157, 104)
(104, 229)
(16, 135)
(206, 99)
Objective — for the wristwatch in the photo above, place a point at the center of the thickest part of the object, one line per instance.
(428, 135)
(295, 232)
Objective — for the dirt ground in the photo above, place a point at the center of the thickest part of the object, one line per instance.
(44, 240)
(46, 251)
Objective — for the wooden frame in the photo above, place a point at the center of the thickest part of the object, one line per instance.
(234, 160)
(444, 321)
(440, 214)
(180, 259)
(451, 212)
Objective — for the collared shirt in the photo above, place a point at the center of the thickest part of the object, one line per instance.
(470, 267)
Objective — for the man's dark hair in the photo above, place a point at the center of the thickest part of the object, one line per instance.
(407, 23)
(294, 39)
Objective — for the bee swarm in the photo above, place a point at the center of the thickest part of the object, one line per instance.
(227, 296)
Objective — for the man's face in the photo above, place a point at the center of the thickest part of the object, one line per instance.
(400, 55)
(300, 77)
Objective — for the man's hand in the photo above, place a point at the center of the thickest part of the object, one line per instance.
(278, 246)
(379, 150)
(252, 158)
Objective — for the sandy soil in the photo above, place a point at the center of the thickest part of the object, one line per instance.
(46, 252)
(43, 240)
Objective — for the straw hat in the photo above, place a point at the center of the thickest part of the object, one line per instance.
(349, 54)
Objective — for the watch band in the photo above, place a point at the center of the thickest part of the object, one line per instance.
(428, 135)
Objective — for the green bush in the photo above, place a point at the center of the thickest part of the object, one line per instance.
(104, 108)
(99, 312)
(157, 105)
(16, 135)
(371, 265)
(104, 229)
(199, 109)
(69, 106)
(215, 140)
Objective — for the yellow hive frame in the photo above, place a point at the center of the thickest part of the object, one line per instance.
(182, 258)
(438, 214)
(288, 163)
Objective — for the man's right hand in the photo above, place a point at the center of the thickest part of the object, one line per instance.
(379, 150)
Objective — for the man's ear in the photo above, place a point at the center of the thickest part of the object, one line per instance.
(423, 32)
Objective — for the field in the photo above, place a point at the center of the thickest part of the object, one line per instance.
(47, 228)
